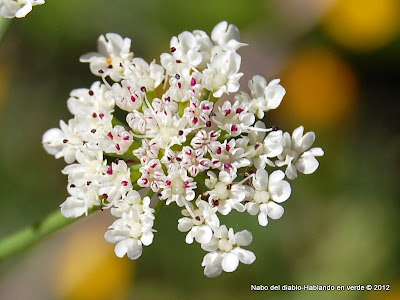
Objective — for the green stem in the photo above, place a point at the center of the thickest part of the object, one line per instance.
(205, 95)
(30, 235)
(157, 210)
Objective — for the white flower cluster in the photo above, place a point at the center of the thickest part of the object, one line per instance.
(157, 128)
(17, 8)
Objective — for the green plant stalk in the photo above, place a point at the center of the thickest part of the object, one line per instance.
(30, 235)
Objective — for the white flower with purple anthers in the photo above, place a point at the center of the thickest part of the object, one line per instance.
(113, 58)
(177, 145)
(223, 193)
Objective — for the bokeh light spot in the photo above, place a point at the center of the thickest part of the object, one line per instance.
(363, 25)
(87, 268)
(321, 89)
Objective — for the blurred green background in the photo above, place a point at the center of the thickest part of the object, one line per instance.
(340, 64)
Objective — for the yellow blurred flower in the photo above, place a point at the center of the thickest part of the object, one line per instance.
(321, 89)
(363, 25)
(87, 267)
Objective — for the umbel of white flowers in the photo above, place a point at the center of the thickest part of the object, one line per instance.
(177, 146)
(17, 8)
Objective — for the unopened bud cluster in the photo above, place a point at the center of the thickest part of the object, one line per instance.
(160, 129)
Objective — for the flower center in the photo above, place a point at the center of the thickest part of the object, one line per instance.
(167, 133)
(177, 186)
(224, 245)
(261, 196)
(136, 230)
(218, 81)
(221, 190)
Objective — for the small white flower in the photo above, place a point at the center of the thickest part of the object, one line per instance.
(152, 175)
(172, 65)
(17, 8)
(185, 86)
(144, 75)
(265, 97)
(227, 156)
(233, 118)
(194, 161)
(89, 102)
(226, 251)
(226, 37)
(222, 74)
(162, 105)
(83, 184)
(203, 139)
(198, 222)
(118, 140)
(198, 113)
(134, 228)
(70, 139)
(147, 152)
(127, 96)
(223, 193)
(136, 122)
(294, 153)
(114, 183)
(113, 58)
(167, 129)
(185, 48)
(178, 187)
(274, 188)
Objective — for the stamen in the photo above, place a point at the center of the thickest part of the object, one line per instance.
(258, 129)
(245, 179)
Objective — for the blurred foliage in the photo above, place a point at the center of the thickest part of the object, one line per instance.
(341, 224)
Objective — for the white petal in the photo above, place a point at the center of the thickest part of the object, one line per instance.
(52, 140)
(280, 191)
(230, 262)
(252, 208)
(245, 256)
(212, 264)
(257, 85)
(243, 238)
(263, 218)
(147, 238)
(122, 247)
(307, 163)
(307, 141)
(115, 236)
(24, 10)
(185, 224)
(276, 176)
(203, 234)
(291, 172)
(261, 180)
(225, 177)
(275, 211)
(189, 237)
(317, 151)
(73, 207)
(297, 134)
